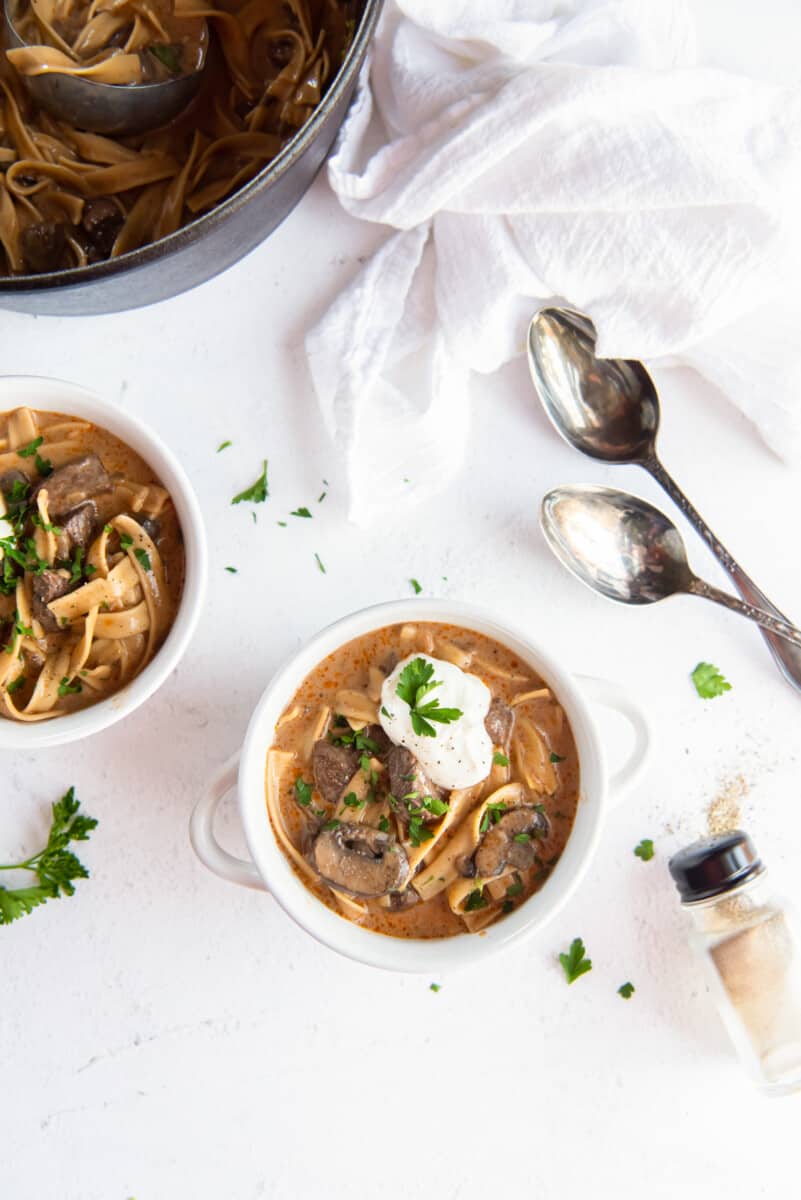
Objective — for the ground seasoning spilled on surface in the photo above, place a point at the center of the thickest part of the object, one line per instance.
(723, 812)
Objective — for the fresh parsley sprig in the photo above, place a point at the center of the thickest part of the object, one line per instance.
(415, 683)
(575, 963)
(257, 493)
(56, 868)
(709, 682)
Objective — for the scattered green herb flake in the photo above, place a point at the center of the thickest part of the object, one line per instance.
(435, 806)
(385, 712)
(55, 867)
(16, 684)
(167, 56)
(126, 540)
(507, 907)
(319, 562)
(224, 446)
(321, 497)
(232, 570)
(254, 515)
(332, 824)
(143, 558)
(434, 987)
(575, 963)
(352, 801)
(516, 888)
(43, 466)
(29, 450)
(475, 901)
(414, 684)
(557, 758)
(626, 990)
(303, 791)
(416, 588)
(65, 688)
(499, 759)
(522, 837)
(257, 493)
(418, 831)
(283, 524)
(383, 823)
(645, 850)
(300, 512)
(709, 682)
(108, 528)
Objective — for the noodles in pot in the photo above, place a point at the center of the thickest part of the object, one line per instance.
(69, 198)
(91, 564)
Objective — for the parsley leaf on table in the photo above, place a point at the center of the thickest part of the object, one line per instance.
(414, 685)
(574, 963)
(709, 682)
(645, 850)
(626, 990)
(55, 867)
(257, 493)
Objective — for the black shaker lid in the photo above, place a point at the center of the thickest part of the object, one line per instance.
(714, 865)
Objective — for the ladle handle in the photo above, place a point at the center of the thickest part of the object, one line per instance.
(778, 628)
(785, 649)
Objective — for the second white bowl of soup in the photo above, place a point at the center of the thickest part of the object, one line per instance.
(102, 563)
(421, 786)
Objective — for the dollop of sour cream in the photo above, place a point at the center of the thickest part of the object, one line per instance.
(461, 753)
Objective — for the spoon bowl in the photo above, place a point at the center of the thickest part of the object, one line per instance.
(107, 108)
(615, 543)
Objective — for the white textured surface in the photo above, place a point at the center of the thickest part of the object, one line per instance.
(164, 1035)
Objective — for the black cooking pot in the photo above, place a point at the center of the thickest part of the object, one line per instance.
(214, 241)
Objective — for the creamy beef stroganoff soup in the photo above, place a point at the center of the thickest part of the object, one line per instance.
(423, 780)
(91, 564)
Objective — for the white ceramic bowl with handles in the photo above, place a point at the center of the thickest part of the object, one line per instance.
(55, 395)
(270, 869)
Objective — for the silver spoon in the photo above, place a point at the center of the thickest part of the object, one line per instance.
(608, 408)
(107, 108)
(624, 548)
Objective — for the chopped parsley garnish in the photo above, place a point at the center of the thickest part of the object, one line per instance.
(557, 758)
(332, 824)
(516, 888)
(19, 491)
(65, 688)
(353, 801)
(321, 497)
(55, 866)
(709, 682)
(353, 737)
(522, 837)
(303, 791)
(16, 684)
(507, 907)
(29, 450)
(76, 567)
(232, 570)
(574, 963)
(385, 712)
(626, 990)
(383, 823)
(43, 466)
(414, 685)
(108, 528)
(143, 558)
(224, 446)
(319, 562)
(434, 987)
(300, 512)
(435, 805)
(645, 850)
(492, 814)
(415, 587)
(167, 56)
(418, 830)
(475, 901)
(500, 759)
(281, 523)
(257, 493)
(126, 540)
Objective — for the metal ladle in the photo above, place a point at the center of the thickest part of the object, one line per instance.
(624, 548)
(107, 108)
(608, 408)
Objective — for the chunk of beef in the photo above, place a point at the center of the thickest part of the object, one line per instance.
(333, 768)
(72, 485)
(44, 247)
(46, 587)
(101, 221)
(376, 734)
(499, 723)
(407, 778)
(77, 530)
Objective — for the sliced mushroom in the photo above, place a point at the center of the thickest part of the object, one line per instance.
(333, 768)
(46, 587)
(407, 778)
(512, 842)
(360, 860)
(499, 723)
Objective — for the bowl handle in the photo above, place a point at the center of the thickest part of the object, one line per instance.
(201, 832)
(612, 695)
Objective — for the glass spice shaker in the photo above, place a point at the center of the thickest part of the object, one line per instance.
(749, 940)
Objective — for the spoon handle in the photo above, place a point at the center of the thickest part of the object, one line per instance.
(779, 628)
(787, 656)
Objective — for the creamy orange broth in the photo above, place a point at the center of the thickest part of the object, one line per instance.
(130, 497)
(349, 668)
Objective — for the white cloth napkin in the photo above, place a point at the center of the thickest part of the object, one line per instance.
(524, 150)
